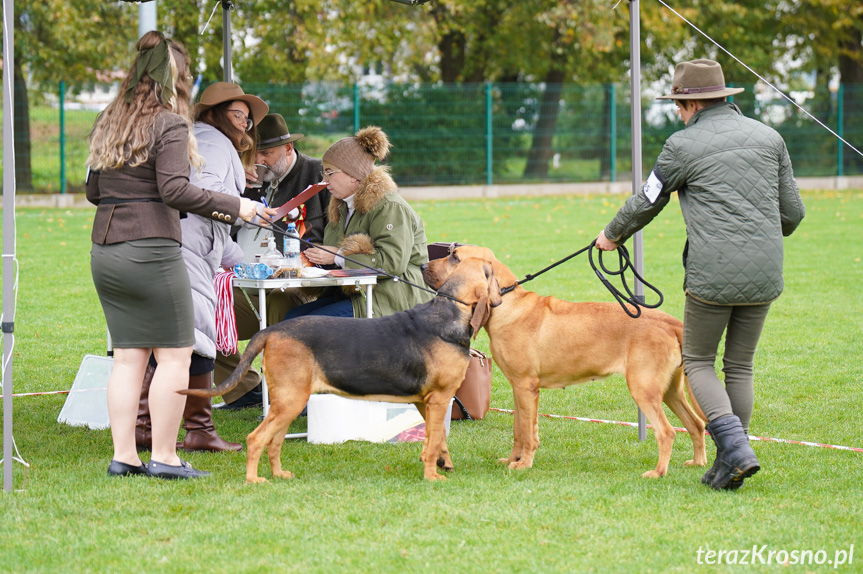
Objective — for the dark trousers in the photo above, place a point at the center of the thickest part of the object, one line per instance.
(326, 306)
(703, 326)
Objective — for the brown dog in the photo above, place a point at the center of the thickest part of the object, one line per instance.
(417, 356)
(542, 342)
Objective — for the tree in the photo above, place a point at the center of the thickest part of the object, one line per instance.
(57, 40)
(827, 37)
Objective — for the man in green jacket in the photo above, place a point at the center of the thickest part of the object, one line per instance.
(739, 198)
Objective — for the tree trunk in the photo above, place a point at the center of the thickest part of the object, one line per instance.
(451, 45)
(851, 72)
(823, 103)
(541, 149)
(452, 57)
(606, 138)
(21, 122)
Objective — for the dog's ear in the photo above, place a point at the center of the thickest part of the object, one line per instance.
(481, 313)
(494, 296)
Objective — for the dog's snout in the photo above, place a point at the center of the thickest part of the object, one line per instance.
(424, 267)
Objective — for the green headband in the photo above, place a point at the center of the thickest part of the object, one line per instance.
(156, 63)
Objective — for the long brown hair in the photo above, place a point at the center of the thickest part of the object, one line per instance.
(123, 132)
(244, 142)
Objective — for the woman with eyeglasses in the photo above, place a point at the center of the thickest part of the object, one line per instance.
(225, 127)
(140, 154)
(371, 223)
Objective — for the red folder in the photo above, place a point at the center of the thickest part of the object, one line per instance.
(285, 209)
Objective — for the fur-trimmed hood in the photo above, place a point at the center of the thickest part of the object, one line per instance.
(371, 191)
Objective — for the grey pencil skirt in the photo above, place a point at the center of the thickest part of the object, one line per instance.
(146, 296)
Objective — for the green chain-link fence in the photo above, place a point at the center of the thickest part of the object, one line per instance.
(470, 133)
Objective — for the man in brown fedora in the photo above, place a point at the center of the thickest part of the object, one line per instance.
(289, 173)
(739, 198)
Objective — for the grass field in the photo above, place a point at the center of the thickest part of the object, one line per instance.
(361, 507)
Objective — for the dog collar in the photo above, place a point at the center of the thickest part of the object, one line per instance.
(451, 298)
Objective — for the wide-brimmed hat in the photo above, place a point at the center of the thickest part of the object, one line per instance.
(220, 92)
(699, 80)
(273, 131)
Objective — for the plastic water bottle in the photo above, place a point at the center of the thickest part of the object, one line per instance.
(292, 247)
(260, 271)
(241, 270)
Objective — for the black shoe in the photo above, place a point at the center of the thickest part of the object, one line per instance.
(711, 473)
(252, 399)
(736, 459)
(183, 470)
(117, 468)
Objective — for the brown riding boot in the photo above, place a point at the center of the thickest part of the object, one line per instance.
(143, 429)
(198, 421)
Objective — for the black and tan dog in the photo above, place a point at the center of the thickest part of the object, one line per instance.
(417, 356)
(542, 342)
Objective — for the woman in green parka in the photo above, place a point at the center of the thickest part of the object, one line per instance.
(370, 223)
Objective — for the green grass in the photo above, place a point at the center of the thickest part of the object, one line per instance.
(360, 507)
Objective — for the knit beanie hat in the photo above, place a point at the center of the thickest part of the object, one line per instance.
(356, 155)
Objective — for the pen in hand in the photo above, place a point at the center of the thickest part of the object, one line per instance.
(267, 205)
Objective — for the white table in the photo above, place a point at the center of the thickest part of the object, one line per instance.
(364, 282)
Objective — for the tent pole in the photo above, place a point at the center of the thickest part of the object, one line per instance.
(8, 325)
(147, 17)
(635, 88)
(227, 6)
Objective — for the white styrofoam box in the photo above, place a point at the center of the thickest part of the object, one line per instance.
(87, 403)
(335, 419)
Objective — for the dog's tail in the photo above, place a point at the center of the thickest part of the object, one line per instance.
(253, 349)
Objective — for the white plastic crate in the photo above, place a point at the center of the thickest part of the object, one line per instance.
(335, 419)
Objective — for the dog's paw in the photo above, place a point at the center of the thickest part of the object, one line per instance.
(256, 480)
(653, 474)
(283, 474)
(435, 476)
(693, 463)
(519, 465)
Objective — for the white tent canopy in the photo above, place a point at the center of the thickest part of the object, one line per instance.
(147, 17)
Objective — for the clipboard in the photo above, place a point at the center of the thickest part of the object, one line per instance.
(310, 191)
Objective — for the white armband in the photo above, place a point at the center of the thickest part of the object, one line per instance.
(652, 188)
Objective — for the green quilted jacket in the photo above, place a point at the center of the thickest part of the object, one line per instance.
(738, 197)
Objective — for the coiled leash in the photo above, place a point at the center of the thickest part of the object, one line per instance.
(375, 269)
(624, 263)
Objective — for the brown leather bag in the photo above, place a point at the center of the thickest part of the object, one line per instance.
(473, 397)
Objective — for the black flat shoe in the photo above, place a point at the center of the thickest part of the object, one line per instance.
(182, 471)
(117, 468)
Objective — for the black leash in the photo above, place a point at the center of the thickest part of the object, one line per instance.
(624, 263)
(346, 258)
